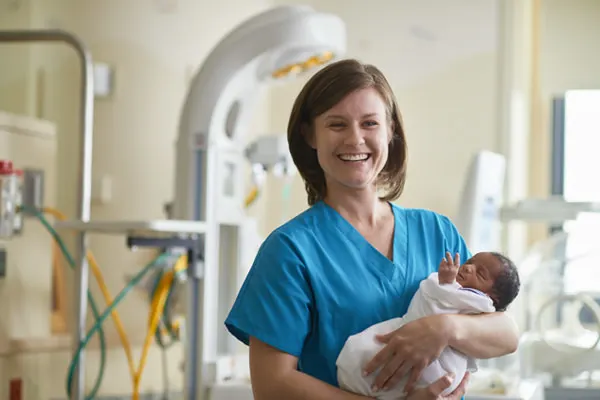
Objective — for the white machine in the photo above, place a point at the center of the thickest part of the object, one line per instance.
(274, 46)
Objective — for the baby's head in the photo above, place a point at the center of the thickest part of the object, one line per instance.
(493, 274)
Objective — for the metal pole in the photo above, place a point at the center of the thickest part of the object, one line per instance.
(85, 174)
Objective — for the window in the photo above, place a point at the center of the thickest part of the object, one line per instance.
(581, 164)
(575, 166)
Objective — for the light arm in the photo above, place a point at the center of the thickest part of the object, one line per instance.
(274, 376)
(482, 336)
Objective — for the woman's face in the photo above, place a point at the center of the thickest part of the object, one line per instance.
(352, 140)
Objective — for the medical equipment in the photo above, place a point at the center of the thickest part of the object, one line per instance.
(85, 167)
(271, 47)
(21, 204)
(274, 46)
(483, 212)
(481, 219)
(561, 320)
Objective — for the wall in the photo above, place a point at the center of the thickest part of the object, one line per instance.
(15, 84)
(154, 51)
(440, 58)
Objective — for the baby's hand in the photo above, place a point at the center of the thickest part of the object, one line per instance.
(448, 268)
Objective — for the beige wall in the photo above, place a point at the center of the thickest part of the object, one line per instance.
(14, 80)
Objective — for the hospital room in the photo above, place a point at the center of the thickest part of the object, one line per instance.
(314, 199)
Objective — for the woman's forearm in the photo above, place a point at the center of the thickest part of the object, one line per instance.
(483, 336)
(295, 385)
(275, 376)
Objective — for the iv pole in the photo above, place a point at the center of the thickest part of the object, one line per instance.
(85, 175)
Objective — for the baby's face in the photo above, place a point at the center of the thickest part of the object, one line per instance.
(480, 272)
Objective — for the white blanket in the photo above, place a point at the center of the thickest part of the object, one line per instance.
(431, 298)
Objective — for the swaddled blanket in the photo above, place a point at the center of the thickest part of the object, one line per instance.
(431, 298)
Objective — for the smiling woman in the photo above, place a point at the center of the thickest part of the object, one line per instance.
(347, 117)
(352, 140)
(345, 263)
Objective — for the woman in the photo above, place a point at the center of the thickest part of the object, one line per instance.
(353, 258)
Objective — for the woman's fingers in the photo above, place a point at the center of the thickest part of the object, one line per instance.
(414, 376)
(437, 387)
(378, 361)
(462, 387)
(386, 378)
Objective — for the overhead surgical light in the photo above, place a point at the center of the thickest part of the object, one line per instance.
(275, 46)
(296, 68)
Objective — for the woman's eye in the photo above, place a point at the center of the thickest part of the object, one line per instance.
(371, 123)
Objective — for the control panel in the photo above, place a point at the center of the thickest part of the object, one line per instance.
(18, 188)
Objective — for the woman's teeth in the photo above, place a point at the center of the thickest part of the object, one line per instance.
(353, 157)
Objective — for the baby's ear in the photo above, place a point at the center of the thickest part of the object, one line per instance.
(496, 300)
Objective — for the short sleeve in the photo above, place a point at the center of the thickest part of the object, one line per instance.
(455, 243)
(275, 301)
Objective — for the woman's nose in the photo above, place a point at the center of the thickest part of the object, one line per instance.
(354, 136)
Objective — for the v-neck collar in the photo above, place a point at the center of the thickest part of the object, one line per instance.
(392, 269)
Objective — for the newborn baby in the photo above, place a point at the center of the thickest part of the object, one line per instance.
(486, 283)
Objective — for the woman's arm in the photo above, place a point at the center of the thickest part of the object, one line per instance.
(482, 336)
(274, 376)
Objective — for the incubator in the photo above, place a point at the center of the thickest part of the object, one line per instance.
(557, 310)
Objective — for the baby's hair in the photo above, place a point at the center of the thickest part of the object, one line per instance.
(507, 285)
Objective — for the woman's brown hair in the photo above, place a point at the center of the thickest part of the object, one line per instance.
(323, 91)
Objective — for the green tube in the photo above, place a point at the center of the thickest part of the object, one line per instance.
(100, 319)
(93, 306)
(98, 325)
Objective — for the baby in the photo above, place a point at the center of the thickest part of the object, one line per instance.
(486, 283)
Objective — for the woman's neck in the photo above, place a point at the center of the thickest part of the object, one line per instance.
(361, 207)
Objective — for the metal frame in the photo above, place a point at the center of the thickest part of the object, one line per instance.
(85, 174)
(557, 175)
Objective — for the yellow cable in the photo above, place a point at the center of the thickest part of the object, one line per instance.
(251, 197)
(156, 310)
(105, 292)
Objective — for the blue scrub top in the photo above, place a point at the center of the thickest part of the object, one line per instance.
(316, 281)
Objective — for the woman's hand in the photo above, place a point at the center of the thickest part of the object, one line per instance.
(434, 391)
(410, 348)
